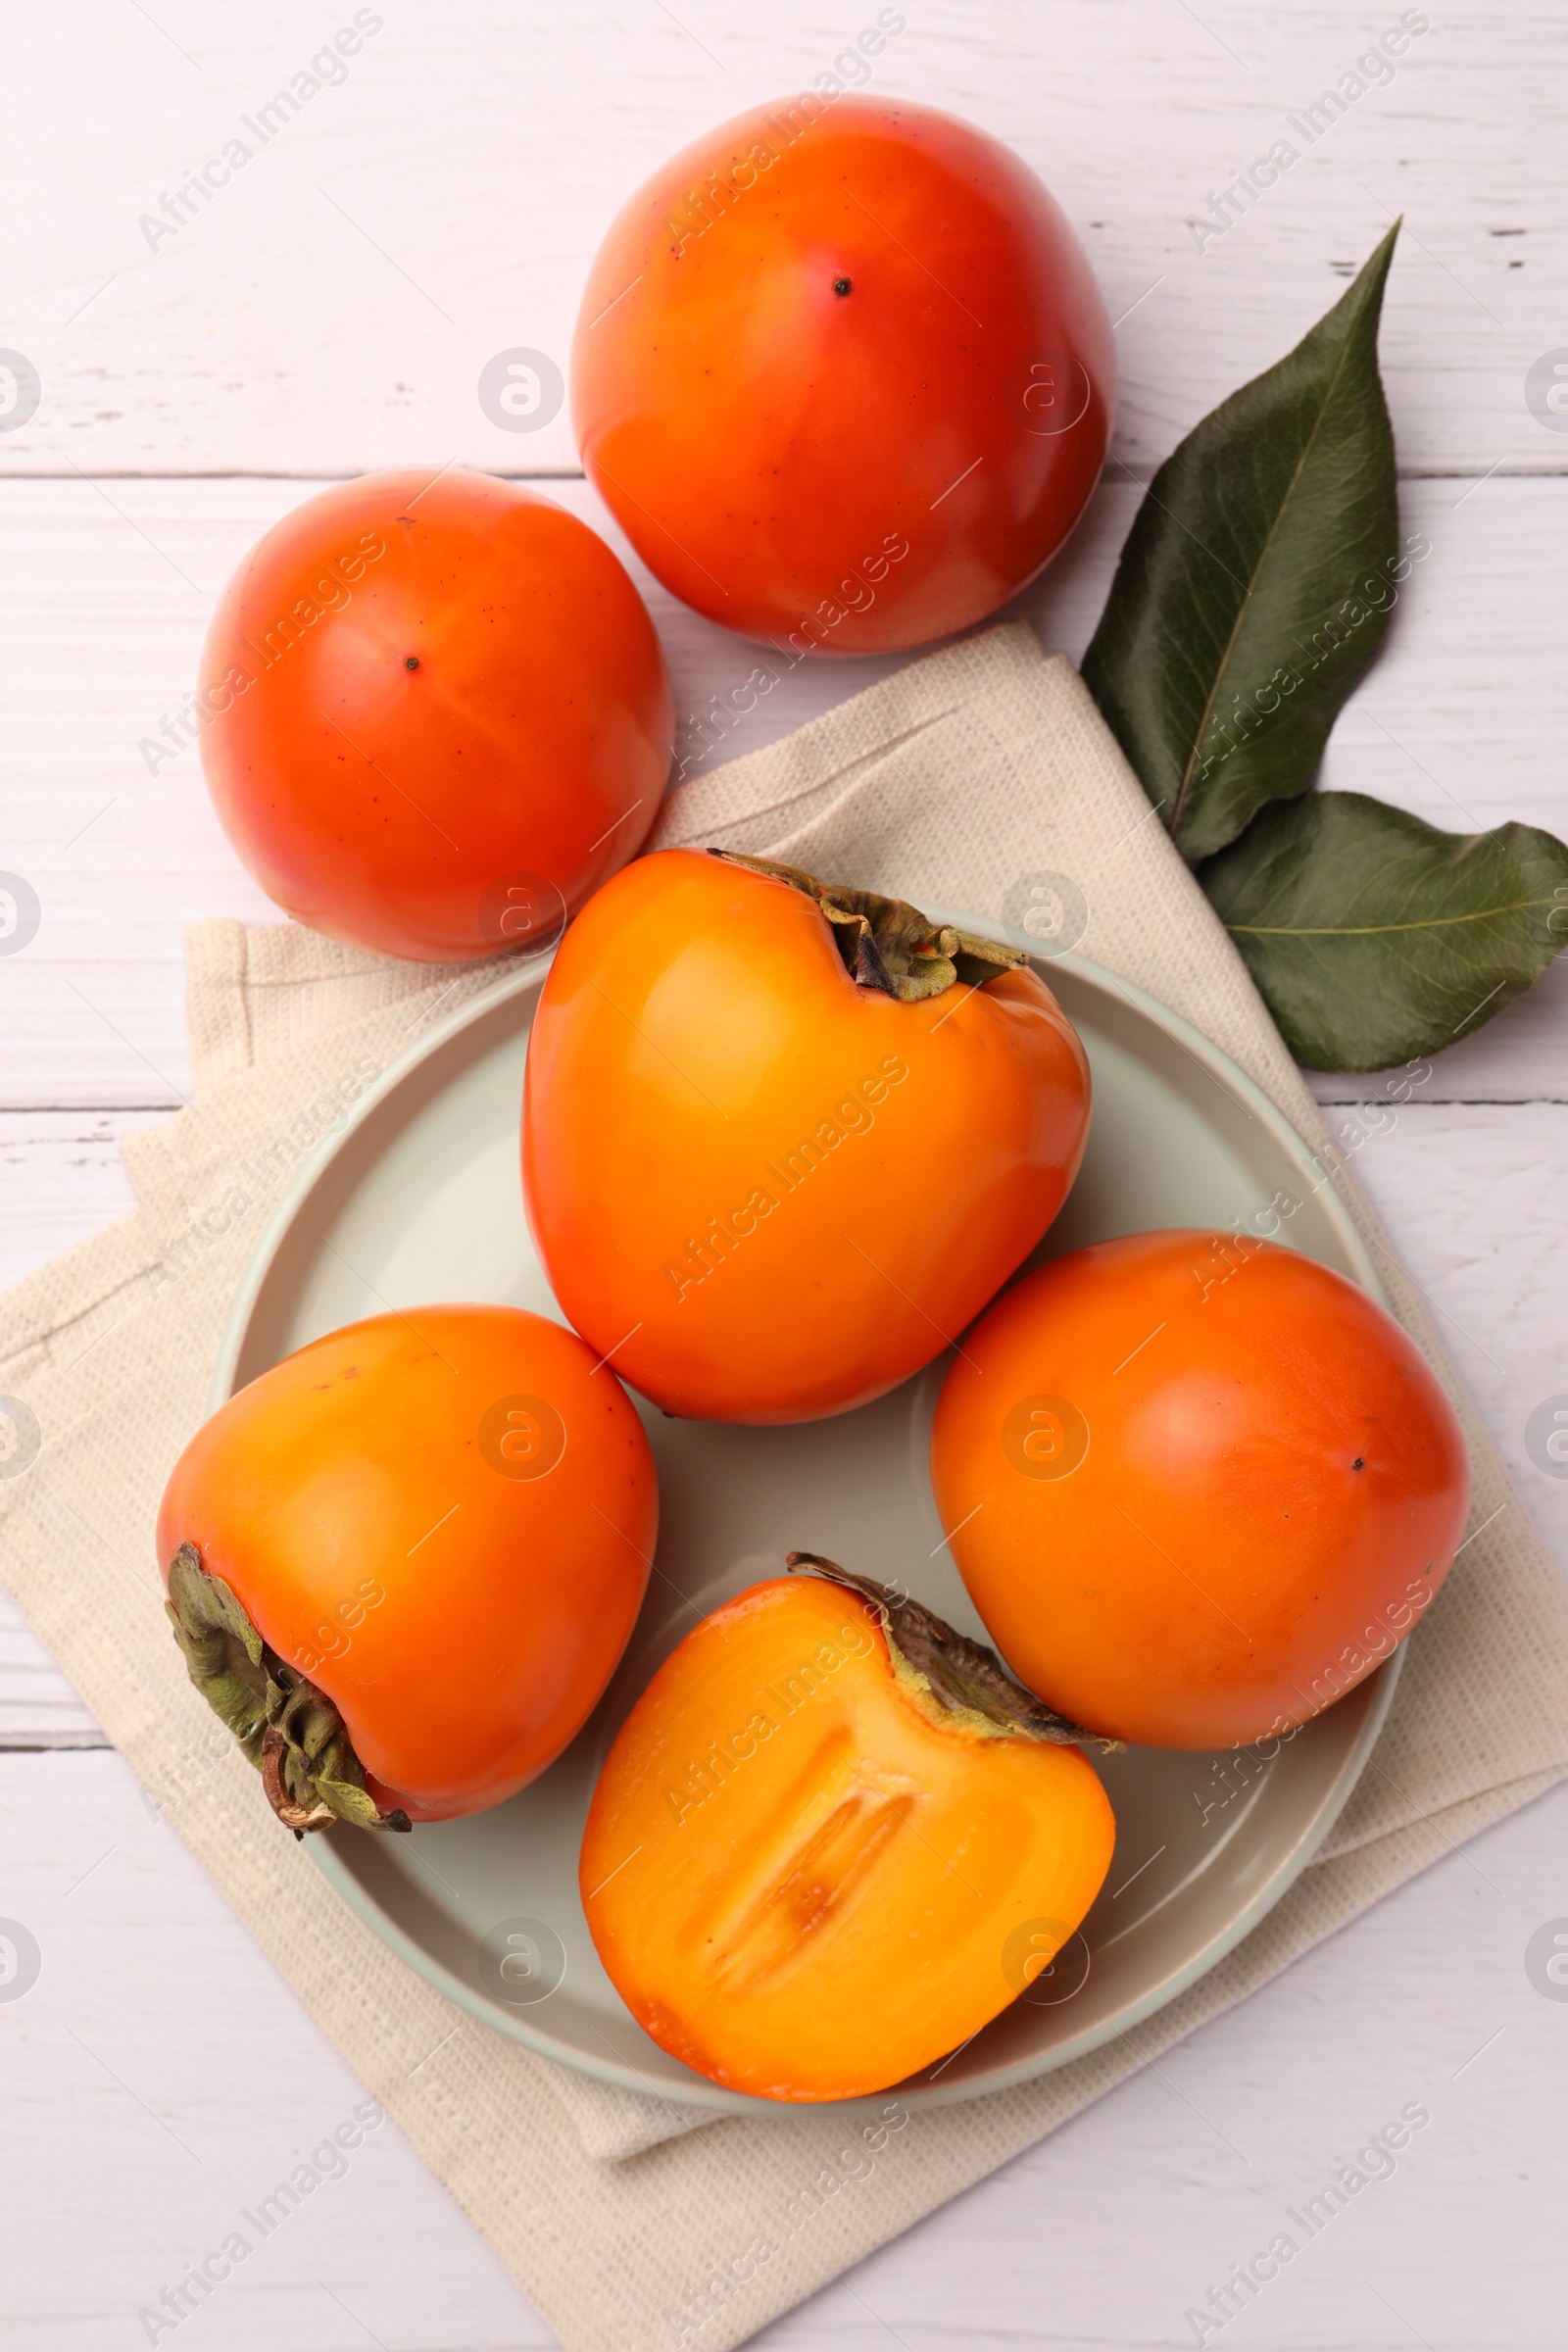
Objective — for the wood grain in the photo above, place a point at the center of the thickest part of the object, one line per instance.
(331, 307)
(105, 593)
(329, 313)
(159, 2076)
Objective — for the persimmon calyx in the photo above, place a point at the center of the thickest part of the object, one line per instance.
(957, 1684)
(887, 943)
(291, 1731)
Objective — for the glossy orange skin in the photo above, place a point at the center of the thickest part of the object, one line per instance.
(1273, 1489)
(364, 1467)
(849, 472)
(803, 1888)
(447, 812)
(772, 1193)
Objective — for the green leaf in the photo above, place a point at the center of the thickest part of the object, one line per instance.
(1373, 936)
(1257, 582)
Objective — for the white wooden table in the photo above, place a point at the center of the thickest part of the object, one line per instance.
(328, 311)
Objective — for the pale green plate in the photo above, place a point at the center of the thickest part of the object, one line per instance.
(418, 1200)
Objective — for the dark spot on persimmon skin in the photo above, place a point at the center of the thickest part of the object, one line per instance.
(841, 286)
(1358, 1463)
(410, 661)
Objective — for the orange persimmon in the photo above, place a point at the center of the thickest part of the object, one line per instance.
(842, 372)
(434, 714)
(825, 1834)
(403, 1563)
(1199, 1485)
(782, 1138)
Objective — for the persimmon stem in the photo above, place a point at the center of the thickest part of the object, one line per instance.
(955, 1681)
(291, 1731)
(885, 943)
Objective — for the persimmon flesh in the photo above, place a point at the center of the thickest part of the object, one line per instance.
(808, 1876)
(1199, 1485)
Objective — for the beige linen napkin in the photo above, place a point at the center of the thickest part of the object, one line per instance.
(951, 782)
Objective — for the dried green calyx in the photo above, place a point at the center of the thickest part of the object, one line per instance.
(956, 1682)
(291, 1731)
(887, 943)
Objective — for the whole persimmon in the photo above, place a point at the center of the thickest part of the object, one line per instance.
(843, 375)
(1199, 1485)
(433, 714)
(404, 1562)
(782, 1139)
(833, 1841)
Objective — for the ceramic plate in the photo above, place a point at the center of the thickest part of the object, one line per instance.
(418, 1200)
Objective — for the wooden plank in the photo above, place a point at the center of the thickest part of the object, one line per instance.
(331, 313)
(39, 1708)
(103, 606)
(1471, 1195)
(1422, 2000)
(62, 1178)
(161, 2077)
(158, 2041)
(331, 306)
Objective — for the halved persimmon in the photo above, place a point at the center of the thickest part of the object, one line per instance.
(833, 1841)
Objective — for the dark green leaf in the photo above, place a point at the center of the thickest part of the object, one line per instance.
(1257, 582)
(1375, 938)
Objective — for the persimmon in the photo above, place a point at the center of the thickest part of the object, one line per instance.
(833, 1841)
(433, 714)
(1199, 1485)
(781, 1138)
(404, 1562)
(842, 375)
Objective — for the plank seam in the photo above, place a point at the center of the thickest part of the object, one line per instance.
(1140, 471)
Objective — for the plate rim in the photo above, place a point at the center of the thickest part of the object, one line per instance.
(620, 2075)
